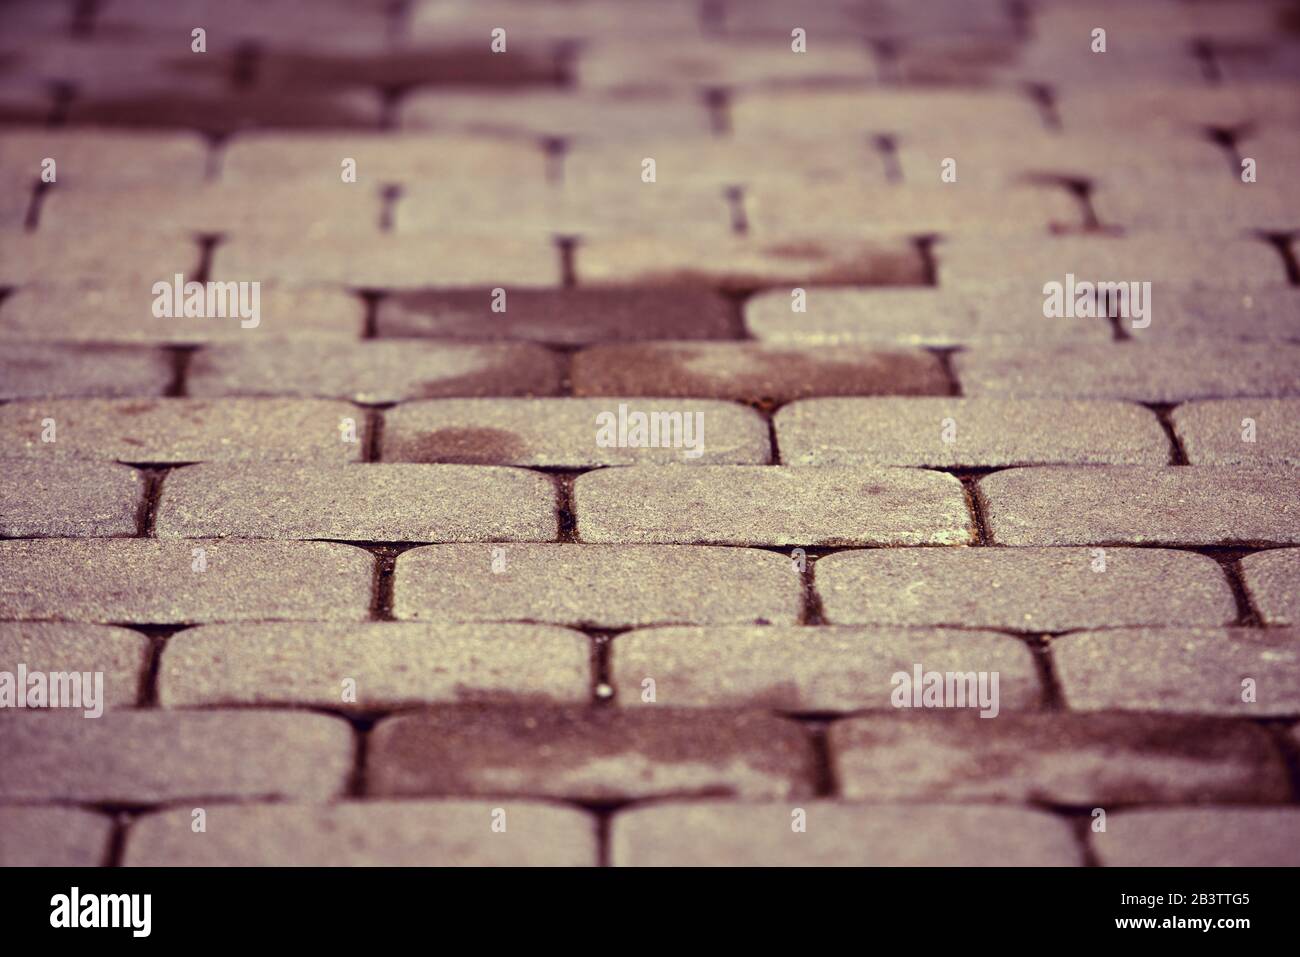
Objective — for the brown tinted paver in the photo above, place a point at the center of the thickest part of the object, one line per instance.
(1272, 580)
(1201, 837)
(53, 499)
(53, 837)
(122, 655)
(1239, 431)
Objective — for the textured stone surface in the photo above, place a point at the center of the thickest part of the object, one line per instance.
(601, 586)
(33, 370)
(709, 833)
(144, 757)
(52, 499)
(1240, 431)
(1188, 670)
(754, 372)
(140, 581)
(743, 505)
(158, 431)
(389, 664)
(1201, 837)
(1199, 310)
(985, 433)
(370, 502)
(593, 755)
(53, 837)
(53, 257)
(1204, 505)
(120, 654)
(562, 433)
(1023, 589)
(1081, 759)
(373, 371)
(1272, 580)
(368, 834)
(806, 669)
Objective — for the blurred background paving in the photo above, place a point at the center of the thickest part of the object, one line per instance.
(366, 588)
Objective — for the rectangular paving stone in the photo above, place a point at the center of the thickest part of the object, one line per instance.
(1272, 580)
(111, 311)
(968, 433)
(1239, 431)
(765, 505)
(588, 754)
(172, 431)
(1055, 758)
(142, 581)
(30, 257)
(1189, 505)
(102, 157)
(1222, 202)
(562, 316)
(390, 664)
(1137, 371)
(33, 370)
(598, 586)
(1023, 589)
(755, 372)
(1198, 310)
(367, 834)
(1186, 670)
(564, 433)
(122, 655)
(759, 834)
(743, 264)
(53, 837)
(54, 499)
(370, 502)
(948, 315)
(148, 757)
(806, 669)
(1200, 837)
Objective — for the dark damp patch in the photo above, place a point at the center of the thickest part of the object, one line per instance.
(466, 446)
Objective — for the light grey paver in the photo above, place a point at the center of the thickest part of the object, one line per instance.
(1248, 672)
(368, 834)
(1189, 505)
(563, 433)
(602, 586)
(1023, 589)
(1201, 837)
(143, 581)
(1240, 431)
(53, 837)
(381, 664)
(142, 757)
(1201, 310)
(369, 502)
(120, 654)
(1272, 580)
(31, 370)
(51, 499)
(589, 755)
(805, 669)
(748, 505)
(968, 433)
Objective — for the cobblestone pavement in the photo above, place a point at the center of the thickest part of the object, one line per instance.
(383, 565)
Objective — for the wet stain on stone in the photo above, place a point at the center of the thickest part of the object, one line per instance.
(466, 446)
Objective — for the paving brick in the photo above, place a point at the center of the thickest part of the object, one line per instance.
(53, 837)
(216, 111)
(57, 257)
(712, 833)
(121, 654)
(393, 664)
(588, 754)
(1024, 589)
(1240, 431)
(368, 834)
(117, 312)
(146, 757)
(383, 503)
(185, 430)
(763, 505)
(1258, 311)
(1054, 758)
(1196, 505)
(754, 371)
(36, 370)
(1201, 837)
(600, 586)
(972, 313)
(986, 433)
(562, 433)
(141, 581)
(1175, 106)
(743, 264)
(1187, 670)
(1138, 371)
(53, 499)
(374, 371)
(103, 158)
(805, 669)
(1272, 581)
(1222, 203)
